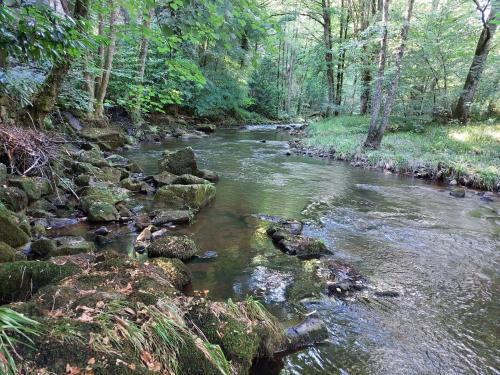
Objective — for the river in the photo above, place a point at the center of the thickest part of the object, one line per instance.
(441, 254)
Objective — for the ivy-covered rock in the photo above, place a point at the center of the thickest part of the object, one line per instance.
(13, 198)
(185, 196)
(179, 162)
(12, 230)
(180, 247)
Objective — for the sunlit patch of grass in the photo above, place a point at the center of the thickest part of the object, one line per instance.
(471, 150)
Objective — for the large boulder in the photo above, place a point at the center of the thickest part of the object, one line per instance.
(179, 162)
(11, 231)
(163, 178)
(13, 198)
(19, 280)
(107, 138)
(180, 247)
(185, 196)
(42, 247)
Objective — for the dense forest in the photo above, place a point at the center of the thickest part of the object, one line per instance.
(115, 256)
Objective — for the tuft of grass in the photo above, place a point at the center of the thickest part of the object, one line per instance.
(471, 151)
(15, 329)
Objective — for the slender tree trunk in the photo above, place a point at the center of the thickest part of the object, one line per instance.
(108, 63)
(327, 36)
(344, 21)
(366, 74)
(44, 101)
(462, 108)
(143, 53)
(376, 137)
(377, 99)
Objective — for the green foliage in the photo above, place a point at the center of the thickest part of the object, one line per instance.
(15, 329)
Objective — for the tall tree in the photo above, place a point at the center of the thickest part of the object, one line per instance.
(44, 101)
(327, 37)
(461, 111)
(377, 124)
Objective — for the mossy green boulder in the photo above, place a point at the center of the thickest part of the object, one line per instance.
(13, 198)
(180, 247)
(99, 203)
(185, 196)
(11, 228)
(188, 179)
(29, 185)
(19, 280)
(177, 272)
(42, 247)
(131, 184)
(8, 254)
(179, 162)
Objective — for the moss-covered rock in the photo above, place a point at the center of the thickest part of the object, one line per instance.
(13, 198)
(3, 173)
(185, 196)
(108, 174)
(178, 273)
(208, 175)
(11, 229)
(107, 138)
(93, 157)
(188, 179)
(162, 217)
(19, 280)
(131, 184)
(99, 203)
(179, 162)
(34, 187)
(42, 247)
(8, 254)
(180, 247)
(83, 180)
(163, 178)
(206, 128)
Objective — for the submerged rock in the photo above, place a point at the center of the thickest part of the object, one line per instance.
(310, 331)
(286, 235)
(341, 278)
(458, 193)
(180, 247)
(185, 196)
(179, 162)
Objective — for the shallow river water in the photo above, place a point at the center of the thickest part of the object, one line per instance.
(441, 254)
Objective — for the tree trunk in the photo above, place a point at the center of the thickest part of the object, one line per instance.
(377, 99)
(108, 63)
(366, 75)
(462, 109)
(143, 53)
(344, 22)
(375, 135)
(44, 101)
(327, 37)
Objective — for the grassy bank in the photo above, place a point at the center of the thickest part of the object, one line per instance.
(469, 154)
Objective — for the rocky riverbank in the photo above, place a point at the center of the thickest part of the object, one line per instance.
(101, 312)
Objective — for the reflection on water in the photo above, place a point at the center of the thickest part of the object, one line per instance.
(440, 253)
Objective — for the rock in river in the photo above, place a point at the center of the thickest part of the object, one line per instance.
(161, 217)
(310, 331)
(185, 196)
(179, 162)
(11, 231)
(180, 247)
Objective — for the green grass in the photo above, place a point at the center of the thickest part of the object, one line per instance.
(466, 153)
(15, 329)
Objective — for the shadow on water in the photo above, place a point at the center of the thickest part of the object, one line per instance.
(439, 253)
